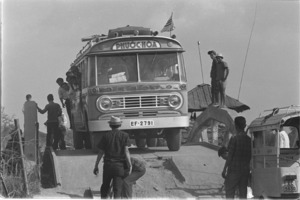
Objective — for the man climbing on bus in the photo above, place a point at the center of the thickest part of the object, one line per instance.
(64, 96)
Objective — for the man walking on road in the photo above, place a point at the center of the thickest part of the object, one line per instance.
(214, 92)
(222, 72)
(54, 111)
(138, 170)
(237, 166)
(114, 146)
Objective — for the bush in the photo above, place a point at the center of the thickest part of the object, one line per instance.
(11, 171)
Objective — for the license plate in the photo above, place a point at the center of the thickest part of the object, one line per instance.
(141, 123)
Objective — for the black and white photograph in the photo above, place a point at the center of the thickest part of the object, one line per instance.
(140, 99)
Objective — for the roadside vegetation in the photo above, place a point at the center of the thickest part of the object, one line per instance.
(11, 168)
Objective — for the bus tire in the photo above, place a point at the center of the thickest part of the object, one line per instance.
(173, 137)
(151, 142)
(140, 142)
(77, 140)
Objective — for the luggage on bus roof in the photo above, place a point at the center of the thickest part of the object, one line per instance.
(128, 30)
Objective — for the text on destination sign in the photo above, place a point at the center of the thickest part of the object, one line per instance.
(144, 44)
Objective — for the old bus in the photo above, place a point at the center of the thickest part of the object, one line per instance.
(275, 153)
(134, 74)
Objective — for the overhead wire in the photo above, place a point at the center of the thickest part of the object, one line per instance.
(247, 50)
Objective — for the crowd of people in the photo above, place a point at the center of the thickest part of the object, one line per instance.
(56, 120)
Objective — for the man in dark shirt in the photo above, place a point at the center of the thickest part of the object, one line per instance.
(114, 146)
(214, 92)
(54, 111)
(138, 170)
(222, 72)
(237, 166)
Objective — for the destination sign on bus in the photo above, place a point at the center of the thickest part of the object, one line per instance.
(141, 44)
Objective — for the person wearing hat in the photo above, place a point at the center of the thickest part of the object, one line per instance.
(212, 55)
(236, 170)
(222, 72)
(114, 146)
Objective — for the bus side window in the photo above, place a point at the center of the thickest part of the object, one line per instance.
(102, 70)
(258, 139)
(270, 137)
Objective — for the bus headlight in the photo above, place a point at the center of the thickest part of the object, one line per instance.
(104, 103)
(174, 101)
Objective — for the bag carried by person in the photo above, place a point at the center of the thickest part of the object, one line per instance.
(62, 123)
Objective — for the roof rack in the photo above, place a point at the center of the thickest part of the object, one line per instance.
(286, 110)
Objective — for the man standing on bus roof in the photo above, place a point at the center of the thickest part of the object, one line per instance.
(64, 96)
(237, 166)
(114, 146)
(214, 92)
(222, 72)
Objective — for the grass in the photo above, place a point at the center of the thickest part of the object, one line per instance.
(11, 171)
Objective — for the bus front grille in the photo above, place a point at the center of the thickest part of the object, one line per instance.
(131, 102)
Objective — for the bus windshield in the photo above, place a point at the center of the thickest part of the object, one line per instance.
(159, 67)
(114, 69)
(146, 67)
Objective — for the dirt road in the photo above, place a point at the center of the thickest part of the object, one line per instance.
(194, 171)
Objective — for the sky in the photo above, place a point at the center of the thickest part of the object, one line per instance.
(40, 39)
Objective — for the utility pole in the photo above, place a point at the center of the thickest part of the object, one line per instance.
(1, 89)
(200, 61)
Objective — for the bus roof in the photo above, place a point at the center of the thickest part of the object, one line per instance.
(127, 39)
(277, 117)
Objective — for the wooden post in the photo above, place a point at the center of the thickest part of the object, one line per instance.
(37, 149)
(4, 186)
(17, 125)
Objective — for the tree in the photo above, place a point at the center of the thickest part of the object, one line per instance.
(7, 125)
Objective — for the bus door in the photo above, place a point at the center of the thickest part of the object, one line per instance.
(79, 99)
(275, 162)
(265, 172)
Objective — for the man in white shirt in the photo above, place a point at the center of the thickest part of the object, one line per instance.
(64, 96)
(284, 140)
